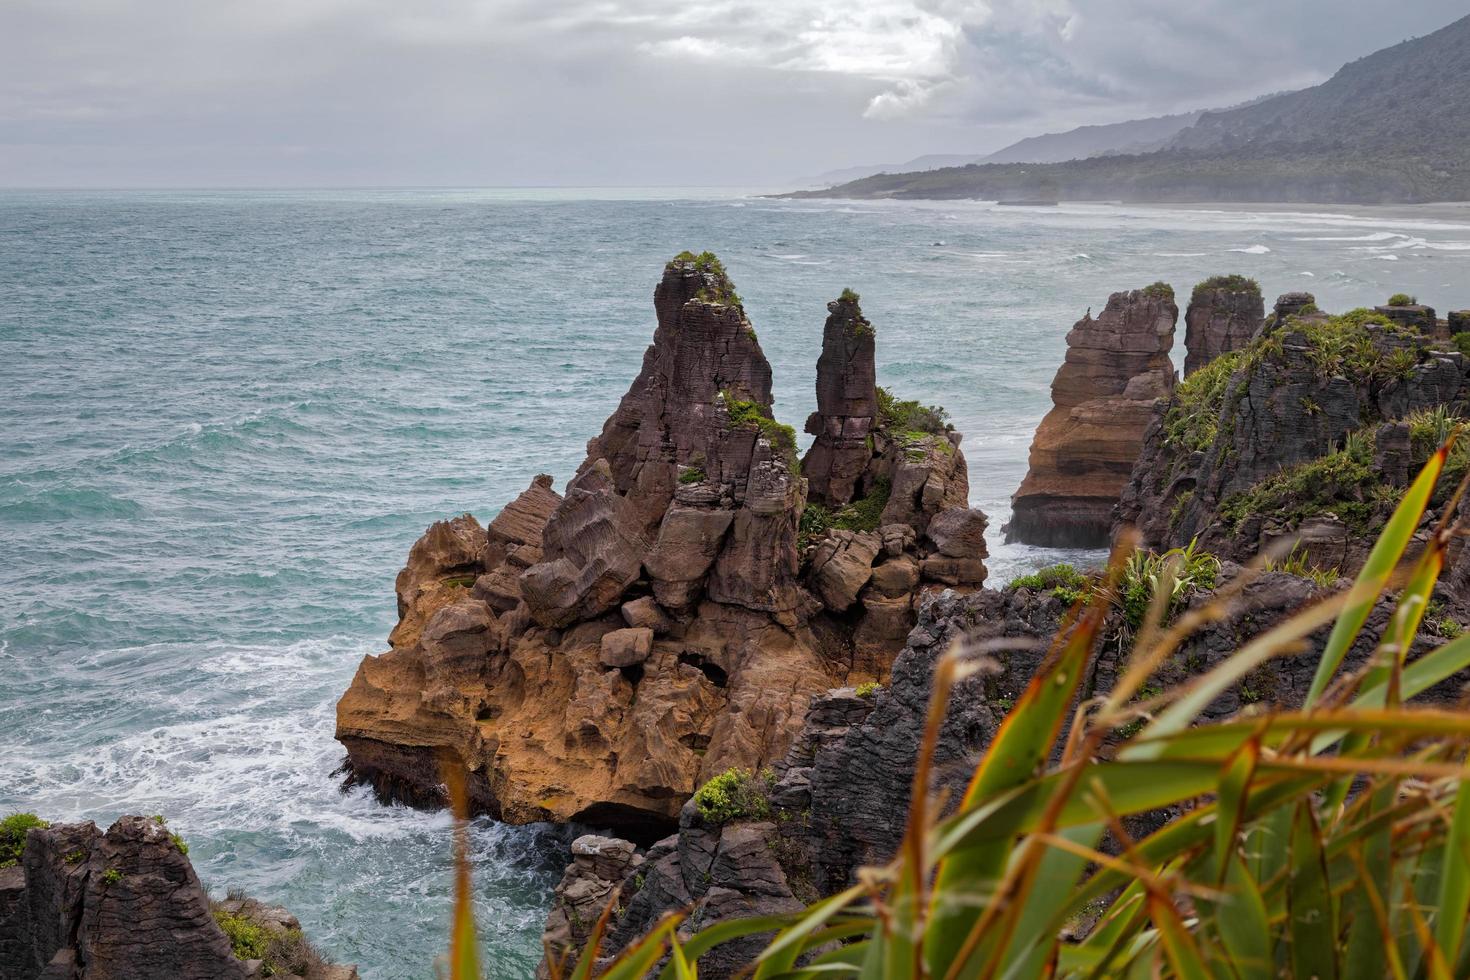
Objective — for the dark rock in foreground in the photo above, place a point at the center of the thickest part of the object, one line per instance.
(121, 905)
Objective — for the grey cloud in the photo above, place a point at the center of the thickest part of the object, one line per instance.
(753, 92)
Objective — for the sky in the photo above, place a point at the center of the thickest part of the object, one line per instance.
(754, 93)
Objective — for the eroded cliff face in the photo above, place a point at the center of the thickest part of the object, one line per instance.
(122, 905)
(595, 656)
(839, 799)
(1305, 433)
(1116, 370)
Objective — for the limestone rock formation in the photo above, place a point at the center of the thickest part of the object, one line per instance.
(847, 405)
(594, 656)
(120, 905)
(1415, 316)
(841, 795)
(1301, 434)
(1116, 369)
(1224, 314)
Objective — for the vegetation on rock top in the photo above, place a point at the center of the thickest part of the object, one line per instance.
(1233, 283)
(748, 413)
(1403, 299)
(13, 830)
(717, 286)
(1158, 290)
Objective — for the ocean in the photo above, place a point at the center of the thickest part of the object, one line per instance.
(227, 416)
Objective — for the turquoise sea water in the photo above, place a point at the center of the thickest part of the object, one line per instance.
(225, 416)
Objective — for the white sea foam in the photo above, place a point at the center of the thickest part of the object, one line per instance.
(1251, 250)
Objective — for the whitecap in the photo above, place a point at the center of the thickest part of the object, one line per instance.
(1310, 274)
(1387, 258)
(1251, 250)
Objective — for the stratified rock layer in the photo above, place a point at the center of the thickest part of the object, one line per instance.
(1116, 369)
(847, 405)
(120, 905)
(839, 800)
(1220, 318)
(1289, 400)
(662, 620)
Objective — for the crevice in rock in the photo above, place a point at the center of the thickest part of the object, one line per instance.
(715, 674)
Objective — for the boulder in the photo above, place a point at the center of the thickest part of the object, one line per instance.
(842, 565)
(625, 648)
(645, 613)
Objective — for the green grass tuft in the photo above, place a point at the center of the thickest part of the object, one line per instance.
(908, 416)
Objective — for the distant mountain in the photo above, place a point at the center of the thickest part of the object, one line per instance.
(1417, 92)
(1389, 128)
(1133, 136)
(930, 161)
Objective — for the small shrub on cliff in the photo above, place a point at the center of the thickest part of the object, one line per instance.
(906, 415)
(13, 830)
(1233, 283)
(744, 413)
(735, 794)
(1403, 299)
(1343, 483)
(1193, 419)
(248, 940)
(691, 474)
(1159, 290)
(1062, 581)
(848, 296)
(112, 876)
(1462, 343)
(867, 689)
(863, 514)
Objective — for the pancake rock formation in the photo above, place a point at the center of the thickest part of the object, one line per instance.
(839, 799)
(1224, 314)
(1116, 370)
(1309, 432)
(82, 904)
(593, 656)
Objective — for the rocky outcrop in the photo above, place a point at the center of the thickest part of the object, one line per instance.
(594, 656)
(1116, 369)
(847, 405)
(1300, 435)
(123, 905)
(1224, 314)
(1457, 322)
(1415, 316)
(839, 800)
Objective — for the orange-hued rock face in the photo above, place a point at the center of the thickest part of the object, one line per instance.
(1116, 370)
(594, 656)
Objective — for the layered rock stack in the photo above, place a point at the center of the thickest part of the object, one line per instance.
(896, 466)
(1415, 316)
(1457, 321)
(88, 905)
(595, 656)
(1224, 314)
(1311, 387)
(847, 405)
(1116, 370)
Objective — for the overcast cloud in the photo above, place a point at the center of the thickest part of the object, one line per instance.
(597, 92)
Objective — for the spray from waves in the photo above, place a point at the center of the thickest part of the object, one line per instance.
(235, 747)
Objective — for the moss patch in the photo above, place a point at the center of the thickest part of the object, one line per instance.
(1343, 483)
(865, 514)
(745, 414)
